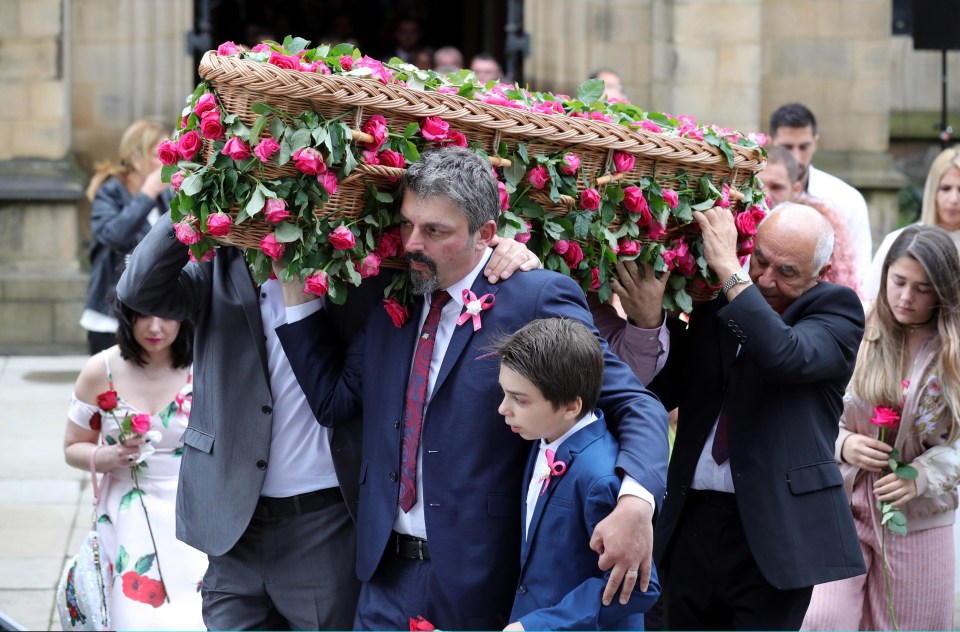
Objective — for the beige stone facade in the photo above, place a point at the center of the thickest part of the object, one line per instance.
(75, 73)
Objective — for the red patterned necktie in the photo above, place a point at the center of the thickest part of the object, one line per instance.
(416, 401)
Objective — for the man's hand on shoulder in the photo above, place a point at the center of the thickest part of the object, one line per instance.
(624, 540)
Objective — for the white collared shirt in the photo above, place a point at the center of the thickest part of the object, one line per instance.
(536, 483)
(708, 474)
(300, 459)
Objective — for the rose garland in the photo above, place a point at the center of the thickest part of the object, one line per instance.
(612, 219)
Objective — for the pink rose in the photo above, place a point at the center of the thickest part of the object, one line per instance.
(210, 125)
(309, 161)
(390, 158)
(328, 181)
(398, 313)
(885, 417)
(671, 198)
(549, 107)
(271, 247)
(376, 127)
(346, 62)
(275, 211)
(561, 246)
(539, 177)
(261, 48)
(669, 259)
(433, 128)
(207, 256)
(590, 199)
(342, 238)
(650, 126)
(237, 149)
(758, 137)
(504, 196)
(656, 231)
(724, 201)
(570, 164)
(206, 103)
(634, 202)
(227, 48)
(525, 236)
(140, 423)
(690, 131)
(623, 162)
(574, 255)
(745, 248)
(456, 138)
(370, 266)
(317, 283)
(266, 148)
(390, 244)
(288, 62)
(186, 231)
(167, 152)
(189, 144)
(219, 224)
(600, 116)
(595, 278)
(628, 246)
(377, 71)
(746, 226)
(176, 181)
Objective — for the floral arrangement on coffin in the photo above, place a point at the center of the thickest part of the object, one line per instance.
(580, 230)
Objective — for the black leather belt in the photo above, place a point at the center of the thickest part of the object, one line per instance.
(296, 505)
(410, 547)
(713, 497)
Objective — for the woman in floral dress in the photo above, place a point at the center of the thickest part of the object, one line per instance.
(903, 405)
(131, 404)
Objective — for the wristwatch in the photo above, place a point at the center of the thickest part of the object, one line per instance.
(736, 278)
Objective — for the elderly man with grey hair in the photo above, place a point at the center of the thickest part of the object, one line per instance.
(755, 513)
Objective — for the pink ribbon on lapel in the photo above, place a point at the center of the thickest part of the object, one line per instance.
(473, 306)
(555, 468)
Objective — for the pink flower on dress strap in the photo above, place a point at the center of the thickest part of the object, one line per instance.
(473, 306)
(550, 470)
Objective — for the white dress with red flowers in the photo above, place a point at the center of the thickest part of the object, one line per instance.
(138, 598)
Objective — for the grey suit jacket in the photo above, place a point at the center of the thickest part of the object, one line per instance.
(227, 443)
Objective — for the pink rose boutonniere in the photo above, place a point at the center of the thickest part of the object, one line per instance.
(551, 469)
(472, 307)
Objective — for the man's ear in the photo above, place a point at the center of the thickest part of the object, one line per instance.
(797, 189)
(824, 270)
(486, 233)
(816, 141)
(571, 411)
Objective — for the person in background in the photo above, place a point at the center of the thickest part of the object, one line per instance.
(486, 68)
(447, 59)
(613, 85)
(423, 58)
(793, 127)
(130, 406)
(127, 197)
(754, 516)
(551, 371)
(406, 35)
(909, 366)
(781, 179)
(941, 207)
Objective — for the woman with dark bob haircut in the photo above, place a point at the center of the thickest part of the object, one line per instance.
(130, 406)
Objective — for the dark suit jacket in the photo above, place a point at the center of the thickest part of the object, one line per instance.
(560, 584)
(230, 423)
(472, 463)
(784, 398)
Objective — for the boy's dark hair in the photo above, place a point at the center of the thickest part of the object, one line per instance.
(794, 115)
(560, 356)
(181, 350)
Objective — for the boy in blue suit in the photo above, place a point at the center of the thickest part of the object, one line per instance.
(551, 373)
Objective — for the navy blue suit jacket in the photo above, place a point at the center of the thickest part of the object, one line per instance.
(472, 463)
(560, 585)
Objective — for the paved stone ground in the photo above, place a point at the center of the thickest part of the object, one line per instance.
(44, 503)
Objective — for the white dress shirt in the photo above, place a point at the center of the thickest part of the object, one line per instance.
(300, 457)
(708, 474)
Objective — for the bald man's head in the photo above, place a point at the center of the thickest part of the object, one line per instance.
(791, 254)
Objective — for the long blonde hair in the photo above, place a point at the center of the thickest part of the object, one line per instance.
(140, 141)
(878, 375)
(947, 160)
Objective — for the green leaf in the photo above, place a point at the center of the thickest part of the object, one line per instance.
(409, 151)
(286, 232)
(144, 563)
(590, 90)
(262, 108)
(168, 413)
(522, 151)
(703, 206)
(383, 197)
(120, 564)
(300, 139)
(104, 519)
(684, 302)
(906, 472)
(581, 225)
(320, 135)
(110, 440)
(411, 129)
(898, 529)
(295, 44)
(254, 206)
(192, 184)
(177, 452)
(892, 464)
(277, 128)
(258, 126)
(514, 173)
(127, 498)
